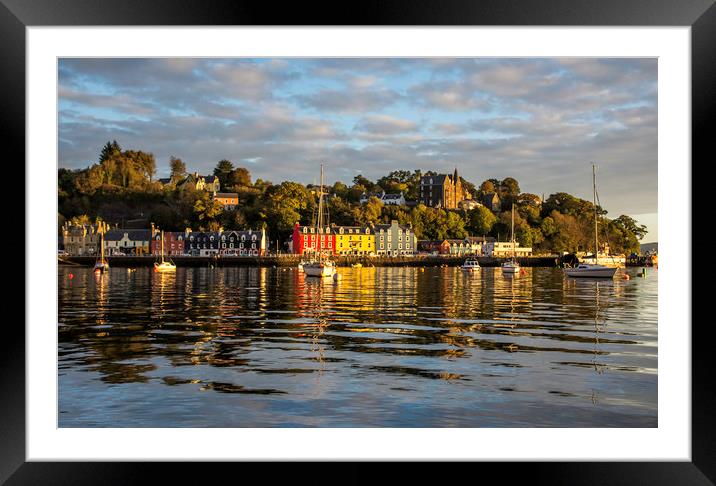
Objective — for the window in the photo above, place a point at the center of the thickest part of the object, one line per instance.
(243, 237)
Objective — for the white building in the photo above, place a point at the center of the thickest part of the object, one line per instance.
(503, 249)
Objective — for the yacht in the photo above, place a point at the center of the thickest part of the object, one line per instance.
(164, 266)
(323, 266)
(512, 266)
(592, 270)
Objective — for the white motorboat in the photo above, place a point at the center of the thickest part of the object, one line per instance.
(471, 265)
(512, 266)
(593, 270)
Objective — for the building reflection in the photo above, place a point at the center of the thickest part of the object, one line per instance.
(236, 317)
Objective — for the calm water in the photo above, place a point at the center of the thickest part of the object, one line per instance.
(386, 347)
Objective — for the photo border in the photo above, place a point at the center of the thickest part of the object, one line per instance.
(700, 15)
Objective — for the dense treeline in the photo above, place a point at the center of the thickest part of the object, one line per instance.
(121, 187)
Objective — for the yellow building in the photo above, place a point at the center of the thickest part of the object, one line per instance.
(354, 240)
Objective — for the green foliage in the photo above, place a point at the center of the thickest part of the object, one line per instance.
(119, 188)
(177, 169)
(239, 177)
(480, 221)
(222, 170)
(285, 204)
(368, 213)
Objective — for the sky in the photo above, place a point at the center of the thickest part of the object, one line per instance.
(542, 121)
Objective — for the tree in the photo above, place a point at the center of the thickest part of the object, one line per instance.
(454, 226)
(238, 177)
(359, 180)
(284, 204)
(222, 170)
(109, 150)
(177, 168)
(369, 212)
(488, 186)
(340, 190)
(480, 221)
(509, 187)
(629, 224)
(207, 209)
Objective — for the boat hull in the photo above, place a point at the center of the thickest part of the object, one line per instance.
(604, 272)
(511, 269)
(165, 268)
(102, 267)
(319, 270)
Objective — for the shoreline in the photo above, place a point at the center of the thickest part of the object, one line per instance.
(293, 260)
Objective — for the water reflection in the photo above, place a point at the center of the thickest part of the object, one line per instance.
(396, 347)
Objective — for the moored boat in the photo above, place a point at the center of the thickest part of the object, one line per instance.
(593, 270)
(164, 266)
(101, 265)
(470, 265)
(323, 266)
(512, 266)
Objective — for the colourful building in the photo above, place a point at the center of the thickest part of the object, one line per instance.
(307, 240)
(173, 243)
(243, 243)
(354, 240)
(229, 200)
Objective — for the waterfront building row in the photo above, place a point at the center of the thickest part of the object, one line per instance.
(84, 240)
(392, 239)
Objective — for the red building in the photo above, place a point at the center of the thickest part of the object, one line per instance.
(307, 240)
(441, 247)
(173, 243)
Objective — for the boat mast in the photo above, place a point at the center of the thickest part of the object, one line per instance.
(320, 218)
(512, 231)
(594, 199)
(162, 246)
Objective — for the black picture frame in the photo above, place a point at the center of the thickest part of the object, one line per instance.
(700, 15)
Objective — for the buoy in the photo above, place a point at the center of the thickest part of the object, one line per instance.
(626, 276)
(70, 276)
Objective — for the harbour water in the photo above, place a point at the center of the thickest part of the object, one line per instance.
(382, 347)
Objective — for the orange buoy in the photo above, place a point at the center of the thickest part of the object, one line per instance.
(626, 276)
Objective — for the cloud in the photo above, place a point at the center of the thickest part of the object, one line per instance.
(542, 121)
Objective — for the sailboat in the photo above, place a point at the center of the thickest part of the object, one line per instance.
(512, 266)
(323, 266)
(164, 266)
(592, 270)
(101, 264)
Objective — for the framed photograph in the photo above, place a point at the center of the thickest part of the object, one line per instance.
(420, 236)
